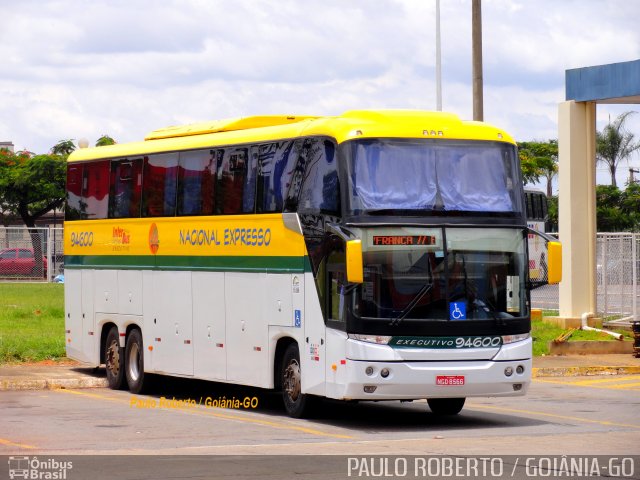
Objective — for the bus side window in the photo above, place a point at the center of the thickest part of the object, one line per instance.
(249, 192)
(125, 188)
(196, 183)
(276, 162)
(320, 190)
(159, 185)
(74, 208)
(231, 174)
(95, 192)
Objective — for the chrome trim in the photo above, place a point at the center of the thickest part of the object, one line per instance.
(292, 222)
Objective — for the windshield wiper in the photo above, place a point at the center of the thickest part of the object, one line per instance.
(411, 305)
(396, 211)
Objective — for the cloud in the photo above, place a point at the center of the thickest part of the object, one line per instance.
(124, 67)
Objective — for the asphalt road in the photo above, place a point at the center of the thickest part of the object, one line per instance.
(580, 415)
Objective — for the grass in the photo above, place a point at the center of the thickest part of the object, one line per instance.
(31, 322)
(543, 333)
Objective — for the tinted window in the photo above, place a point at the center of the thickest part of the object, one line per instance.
(159, 187)
(249, 193)
(232, 170)
(125, 188)
(8, 254)
(87, 191)
(74, 192)
(276, 162)
(95, 194)
(196, 183)
(25, 253)
(320, 189)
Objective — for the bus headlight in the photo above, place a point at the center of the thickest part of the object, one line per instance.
(514, 338)
(379, 339)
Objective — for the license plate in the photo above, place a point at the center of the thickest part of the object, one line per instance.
(449, 380)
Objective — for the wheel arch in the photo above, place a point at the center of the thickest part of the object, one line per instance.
(281, 347)
(132, 326)
(106, 327)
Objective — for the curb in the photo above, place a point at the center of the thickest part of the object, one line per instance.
(51, 384)
(583, 371)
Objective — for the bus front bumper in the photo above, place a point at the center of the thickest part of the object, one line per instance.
(416, 380)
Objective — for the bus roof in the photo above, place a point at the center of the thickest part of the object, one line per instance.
(350, 125)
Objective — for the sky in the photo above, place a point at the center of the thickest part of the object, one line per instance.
(74, 69)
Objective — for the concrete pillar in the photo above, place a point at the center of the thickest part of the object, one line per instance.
(577, 204)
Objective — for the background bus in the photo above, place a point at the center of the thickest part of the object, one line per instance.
(371, 256)
(537, 219)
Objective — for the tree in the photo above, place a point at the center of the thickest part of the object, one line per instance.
(615, 144)
(30, 186)
(618, 211)
(105, 140)
(63, 148)
(539, 159)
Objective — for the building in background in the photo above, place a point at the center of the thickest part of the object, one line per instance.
(7, 145)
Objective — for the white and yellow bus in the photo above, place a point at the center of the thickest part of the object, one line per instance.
(376, 255)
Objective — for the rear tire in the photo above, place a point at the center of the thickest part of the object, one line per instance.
(296, 403)
(446, 406)
(114, 360)
(134, 362)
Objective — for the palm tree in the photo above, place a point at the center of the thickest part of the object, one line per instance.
(63, 148)
(614, 144)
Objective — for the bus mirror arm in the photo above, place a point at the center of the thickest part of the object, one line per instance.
(341, 232)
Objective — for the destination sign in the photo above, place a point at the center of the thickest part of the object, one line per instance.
(405, 240)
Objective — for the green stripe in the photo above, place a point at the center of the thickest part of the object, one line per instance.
(196, 263)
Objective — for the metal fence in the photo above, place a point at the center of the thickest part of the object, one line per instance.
(618, 275)
(31, 254)
(617, 278)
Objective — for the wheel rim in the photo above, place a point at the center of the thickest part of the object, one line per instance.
(292, 380)
(113, 358)
(134, 359)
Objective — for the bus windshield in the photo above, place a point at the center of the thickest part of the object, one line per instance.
(408, 176)
(442, 274)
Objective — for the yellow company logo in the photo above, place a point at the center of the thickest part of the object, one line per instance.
(154, 239)
(121, 239)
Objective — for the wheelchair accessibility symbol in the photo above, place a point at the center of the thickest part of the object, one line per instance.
(457, 311)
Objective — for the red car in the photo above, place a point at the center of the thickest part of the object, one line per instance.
(20, 262)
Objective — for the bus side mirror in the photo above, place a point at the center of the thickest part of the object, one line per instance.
(545, 259)
(554, 274)
(355, 271)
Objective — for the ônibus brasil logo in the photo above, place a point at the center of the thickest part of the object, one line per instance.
(32, 467)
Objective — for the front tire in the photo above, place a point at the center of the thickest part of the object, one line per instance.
(114, 360)
(296, 403)
(446, 406)
(134, 362)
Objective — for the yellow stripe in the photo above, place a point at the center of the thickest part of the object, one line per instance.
(223, 416)
(238, 235)
(554, 415)
(625, 386)
(9, 443)
(599, 383)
